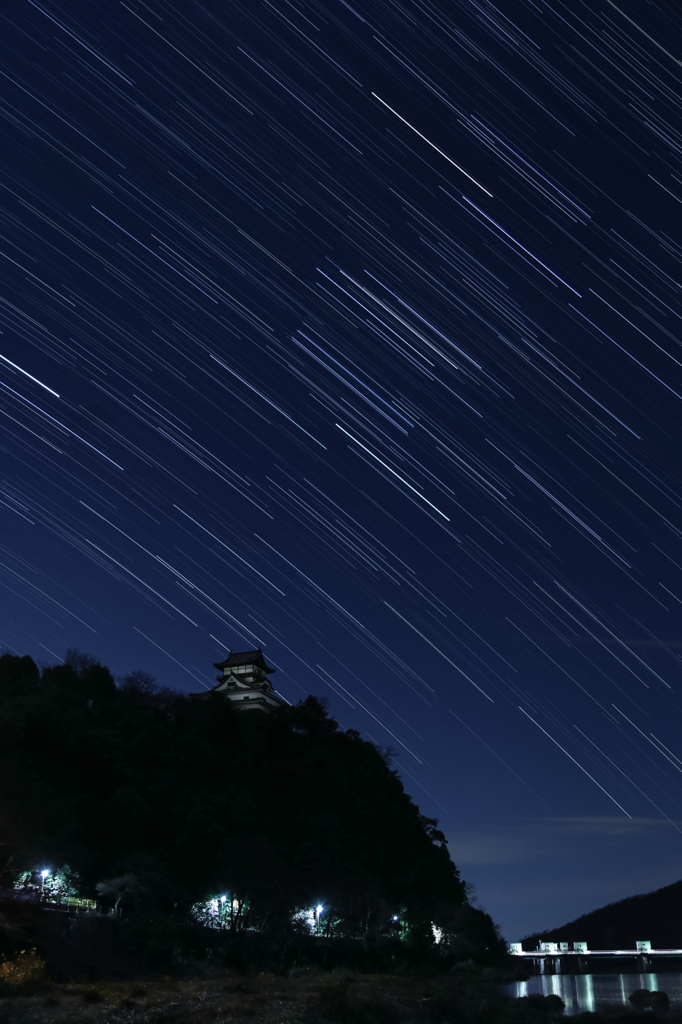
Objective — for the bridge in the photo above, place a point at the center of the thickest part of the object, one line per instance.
(557, 957)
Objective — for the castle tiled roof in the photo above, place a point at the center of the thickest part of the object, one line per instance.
(244, 658)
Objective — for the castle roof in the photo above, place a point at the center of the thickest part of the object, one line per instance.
(245, 658)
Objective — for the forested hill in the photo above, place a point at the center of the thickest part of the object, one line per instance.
(160, 799)
(656, 916)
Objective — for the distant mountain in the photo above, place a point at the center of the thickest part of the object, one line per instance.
(656, 916)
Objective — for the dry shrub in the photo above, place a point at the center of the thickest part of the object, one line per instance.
(202, 1015)
(247, 1007)
(24, 975)
(236, 987)
(92, 995)
(338, 1003)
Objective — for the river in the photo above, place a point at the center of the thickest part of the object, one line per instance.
(591, 992)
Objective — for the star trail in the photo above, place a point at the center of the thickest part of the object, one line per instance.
(352, 332)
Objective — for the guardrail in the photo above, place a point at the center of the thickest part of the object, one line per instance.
(34, 894)
(74, 901)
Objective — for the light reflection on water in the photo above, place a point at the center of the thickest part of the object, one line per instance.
(592, 992)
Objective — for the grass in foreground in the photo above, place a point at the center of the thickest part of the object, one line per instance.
(301, 997)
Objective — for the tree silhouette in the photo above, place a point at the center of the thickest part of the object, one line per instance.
(281, 812)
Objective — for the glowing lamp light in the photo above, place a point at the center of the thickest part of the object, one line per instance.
(395, 918)
(44, 874)
(223, 898)
(319, 909)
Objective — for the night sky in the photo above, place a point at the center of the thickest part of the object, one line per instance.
(351, 331)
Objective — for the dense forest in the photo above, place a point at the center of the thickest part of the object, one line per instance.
(654, 916)
(163, 806)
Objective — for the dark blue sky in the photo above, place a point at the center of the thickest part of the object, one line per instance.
(352, 331)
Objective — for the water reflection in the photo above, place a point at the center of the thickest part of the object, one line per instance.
(581, 992)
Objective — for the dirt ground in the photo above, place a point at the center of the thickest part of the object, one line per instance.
(306, 997)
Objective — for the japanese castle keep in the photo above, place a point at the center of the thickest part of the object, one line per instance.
(244, 681)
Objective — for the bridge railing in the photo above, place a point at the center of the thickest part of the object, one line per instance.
(562, 949)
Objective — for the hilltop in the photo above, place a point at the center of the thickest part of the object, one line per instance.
(279, 833)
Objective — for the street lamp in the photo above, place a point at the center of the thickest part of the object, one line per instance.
(318, 911)
(43, 876)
